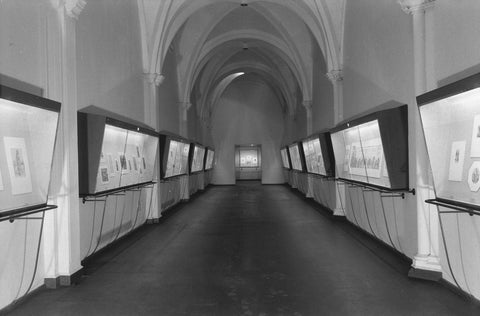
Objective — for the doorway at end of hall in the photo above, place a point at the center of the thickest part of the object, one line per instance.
(248, 162)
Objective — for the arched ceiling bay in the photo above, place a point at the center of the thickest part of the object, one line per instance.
(214, 39)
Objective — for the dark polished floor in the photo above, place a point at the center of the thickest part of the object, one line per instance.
(248, 250)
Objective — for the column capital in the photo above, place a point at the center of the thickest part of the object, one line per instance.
(413, 6)
(335, 75)
(73, 8)
(154, 78)
(185, 105)
(307, 104)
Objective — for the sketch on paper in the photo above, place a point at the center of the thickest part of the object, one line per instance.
(346, 159)
(457, 159)
(1, 181)
(18, 165)
(123, 162)
(367, 160)
(111, 169)
(474, 176)
(104, 175)
(475, 146)
(135, 163)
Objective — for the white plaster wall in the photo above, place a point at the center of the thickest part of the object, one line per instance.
(378, 67)
(247, 113)
(168, 96)
(378, 55)
(322, 102)
(457, 47)
(109, 59)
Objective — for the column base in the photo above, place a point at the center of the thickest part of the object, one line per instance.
(64, 280)
(426, 268)
(338, 212)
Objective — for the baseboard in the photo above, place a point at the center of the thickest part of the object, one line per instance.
(428, 275)
(10, 307)
(469, 297)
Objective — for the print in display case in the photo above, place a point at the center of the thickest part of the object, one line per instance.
(373, 149)
(114, 152)
(209, 159)
(197, 158)
(450, 118)
(174, 153)
(285, 158)
(296, 156)
(28, 129)
(318, 153)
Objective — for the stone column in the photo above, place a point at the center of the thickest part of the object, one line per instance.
(336, 78)
(184, 180)
(61, 238)
(426, 263)
(153, 196)
(307, 104)
(183, 112)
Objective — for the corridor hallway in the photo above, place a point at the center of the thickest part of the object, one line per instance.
(248, 250)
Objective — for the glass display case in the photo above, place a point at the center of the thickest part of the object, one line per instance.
(285, 158)
(197, 158)
(296, 156)
(319, 155)
(114, 152)
(28, 128)
(209, 159)
(373, 149)
(450, 117)
(174, 152)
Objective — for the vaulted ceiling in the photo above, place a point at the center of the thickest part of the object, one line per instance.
(214, 40)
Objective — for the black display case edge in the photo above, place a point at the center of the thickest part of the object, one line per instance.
(462, 85)
(366, 116)
(18, 96)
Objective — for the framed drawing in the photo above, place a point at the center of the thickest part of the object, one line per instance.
(475, 145)
(18, 165)
(457, 158)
